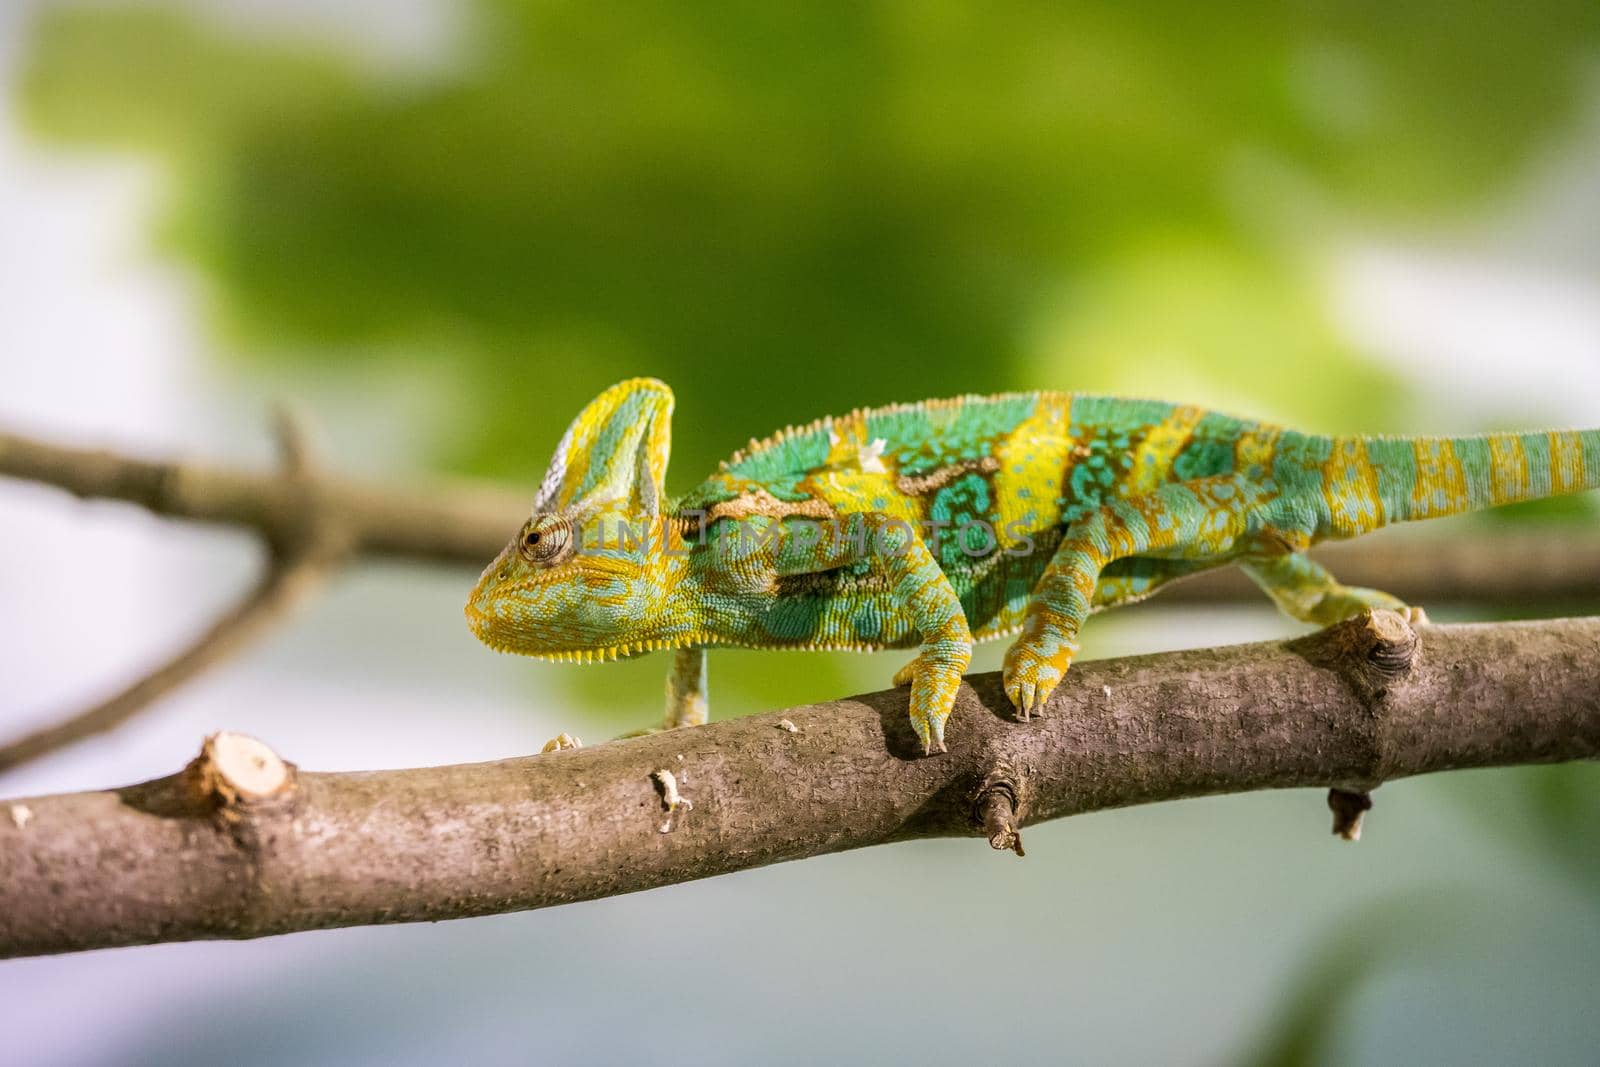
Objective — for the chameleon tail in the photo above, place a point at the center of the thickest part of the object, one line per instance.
(1426, 477)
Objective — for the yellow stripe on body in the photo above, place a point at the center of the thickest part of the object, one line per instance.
(1441, 487)
(1152, 458)
(1350, 489)
(1567, 474)
(1033, 461)
(1508, 468)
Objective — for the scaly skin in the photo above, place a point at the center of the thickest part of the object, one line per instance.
(937, 524)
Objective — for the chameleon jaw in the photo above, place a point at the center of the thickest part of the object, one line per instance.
(606, 653)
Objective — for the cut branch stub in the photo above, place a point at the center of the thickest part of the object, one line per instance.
(1374, 650)
(234, 772)
(1393, 648)
(998, 809)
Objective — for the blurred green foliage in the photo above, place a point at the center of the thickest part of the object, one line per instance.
(789, 210)
(786, 210)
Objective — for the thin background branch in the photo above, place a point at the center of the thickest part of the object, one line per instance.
(299, 561)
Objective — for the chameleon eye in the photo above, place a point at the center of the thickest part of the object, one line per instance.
(542, 544)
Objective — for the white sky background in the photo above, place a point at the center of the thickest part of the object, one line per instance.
(100, 344)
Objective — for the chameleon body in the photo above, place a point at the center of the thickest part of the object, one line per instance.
(936, 524)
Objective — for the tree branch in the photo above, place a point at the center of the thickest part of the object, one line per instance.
(301, 555)
(447, 523)
(240, 845)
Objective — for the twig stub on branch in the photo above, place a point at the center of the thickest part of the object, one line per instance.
(1348, 807)
(234, 771)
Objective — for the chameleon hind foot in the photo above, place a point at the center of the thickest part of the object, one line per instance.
(1034, 666)
(1303, 589)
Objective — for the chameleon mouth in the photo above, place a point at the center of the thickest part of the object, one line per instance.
(605, 654)
(484, 628)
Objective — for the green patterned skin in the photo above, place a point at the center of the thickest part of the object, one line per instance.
(937, 524)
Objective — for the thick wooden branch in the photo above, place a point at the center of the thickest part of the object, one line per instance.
(468, 525)
(242, 845)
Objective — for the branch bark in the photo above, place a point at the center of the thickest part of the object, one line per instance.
(239, 846)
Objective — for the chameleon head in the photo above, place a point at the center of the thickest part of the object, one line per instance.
(587, 575)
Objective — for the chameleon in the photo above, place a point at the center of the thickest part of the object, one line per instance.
(936, 524)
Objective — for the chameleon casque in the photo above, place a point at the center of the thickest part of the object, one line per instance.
(940, 523)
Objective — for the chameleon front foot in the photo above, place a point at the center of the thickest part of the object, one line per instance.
(927, 716)
(561, 741)
(934, 680)
(1033, 669)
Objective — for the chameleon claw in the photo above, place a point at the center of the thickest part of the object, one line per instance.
(1029, 697)
(932, 739)
(561, 741)
(1031, 675)
(931, 733)
(1025, 696)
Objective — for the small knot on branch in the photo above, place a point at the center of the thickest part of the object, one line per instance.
(1348, 806)
(675, 804)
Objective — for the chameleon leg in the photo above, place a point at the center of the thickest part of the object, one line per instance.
(1303, 588)
(686, 693)
(686, 689)
(935, 611)
(1199, 519)
(1124, 581)
(1130, 580)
